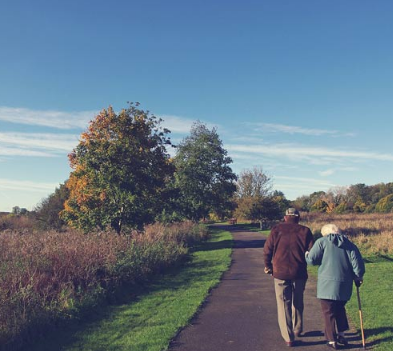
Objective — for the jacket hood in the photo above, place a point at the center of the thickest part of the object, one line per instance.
(337, 239)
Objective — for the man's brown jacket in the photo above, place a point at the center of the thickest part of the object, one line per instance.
(285, 248)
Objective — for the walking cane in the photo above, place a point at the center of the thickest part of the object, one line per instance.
(361, 318)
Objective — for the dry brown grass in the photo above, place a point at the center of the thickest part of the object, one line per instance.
(372, 232)
(49, 276)
(17, 222)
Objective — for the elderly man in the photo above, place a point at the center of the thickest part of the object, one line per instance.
(284, 254)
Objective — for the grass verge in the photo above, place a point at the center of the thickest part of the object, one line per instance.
(149, 321)
(376, 302)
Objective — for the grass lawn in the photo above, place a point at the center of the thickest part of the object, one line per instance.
(377, 303)
(149, 322)
(376, 300)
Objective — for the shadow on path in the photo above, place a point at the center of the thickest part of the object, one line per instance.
(240, 314)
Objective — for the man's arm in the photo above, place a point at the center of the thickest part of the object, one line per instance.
(310, 240)
(268, 251)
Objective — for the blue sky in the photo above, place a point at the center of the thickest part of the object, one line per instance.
(302, 89)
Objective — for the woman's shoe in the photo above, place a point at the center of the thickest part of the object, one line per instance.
(341, 340)
(333, 345)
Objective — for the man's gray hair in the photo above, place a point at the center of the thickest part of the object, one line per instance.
(330, 229)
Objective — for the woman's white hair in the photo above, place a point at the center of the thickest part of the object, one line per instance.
(330, 229)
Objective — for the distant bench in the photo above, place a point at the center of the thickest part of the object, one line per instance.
(233, 221)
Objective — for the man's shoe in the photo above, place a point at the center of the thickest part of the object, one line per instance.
(341, 340)
(333, 346)
(290, 343)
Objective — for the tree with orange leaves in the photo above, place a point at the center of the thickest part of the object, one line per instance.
(120, 169)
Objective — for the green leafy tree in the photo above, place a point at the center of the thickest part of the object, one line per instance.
(302, 203)
(319, 206)
(203, 174)
(359, 206)
(16, 210)
(48, 211)
(265, 209)
(120, 170)
(385, 204)
(255, 199)
(340, 208)
(281, 200)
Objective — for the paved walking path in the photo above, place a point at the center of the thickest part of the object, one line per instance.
(240, 314)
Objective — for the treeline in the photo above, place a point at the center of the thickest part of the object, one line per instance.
(124, 177)
(358, 198)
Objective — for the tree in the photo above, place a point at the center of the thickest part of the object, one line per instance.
(281, 200)
(203, 175)
(120, 169)
(261, 209)
(385, 204)
(16, 210)
(358, 192)
(302, 203)
(48, 211)
(340, 208)
(255, 199)
(253, 183)
(319, 206)
(334, 197)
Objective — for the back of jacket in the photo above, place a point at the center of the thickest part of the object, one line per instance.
(285, 248)
(340, 263)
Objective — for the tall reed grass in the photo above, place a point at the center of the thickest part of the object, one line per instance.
(372, 233)
(46, 278)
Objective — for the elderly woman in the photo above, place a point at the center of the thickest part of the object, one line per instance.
(340, 264)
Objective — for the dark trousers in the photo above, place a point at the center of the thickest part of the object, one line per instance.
(335, 316)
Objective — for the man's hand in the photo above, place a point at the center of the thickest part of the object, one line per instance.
(358, 282)
(268, 271)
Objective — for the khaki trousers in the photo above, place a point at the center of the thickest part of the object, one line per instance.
(290, 306)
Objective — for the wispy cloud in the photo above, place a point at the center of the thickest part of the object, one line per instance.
(305, 181)
(181, 125)
(47, 141)
(47, 118)
(327, 172)
(332, 171)
(177, 124)
(271, 127)
(80, 119)
(12, 151)
(27, 185)
(298, 152)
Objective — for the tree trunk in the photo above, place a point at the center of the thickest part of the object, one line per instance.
(120, 223)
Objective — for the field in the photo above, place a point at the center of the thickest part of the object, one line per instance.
(51, 278)
(61, 274)
(373, 234)
(164, 305)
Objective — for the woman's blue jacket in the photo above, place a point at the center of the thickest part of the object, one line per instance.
(340, 263)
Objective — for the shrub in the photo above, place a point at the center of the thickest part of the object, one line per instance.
(341, 208)
(385, 204)
(49, 277)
